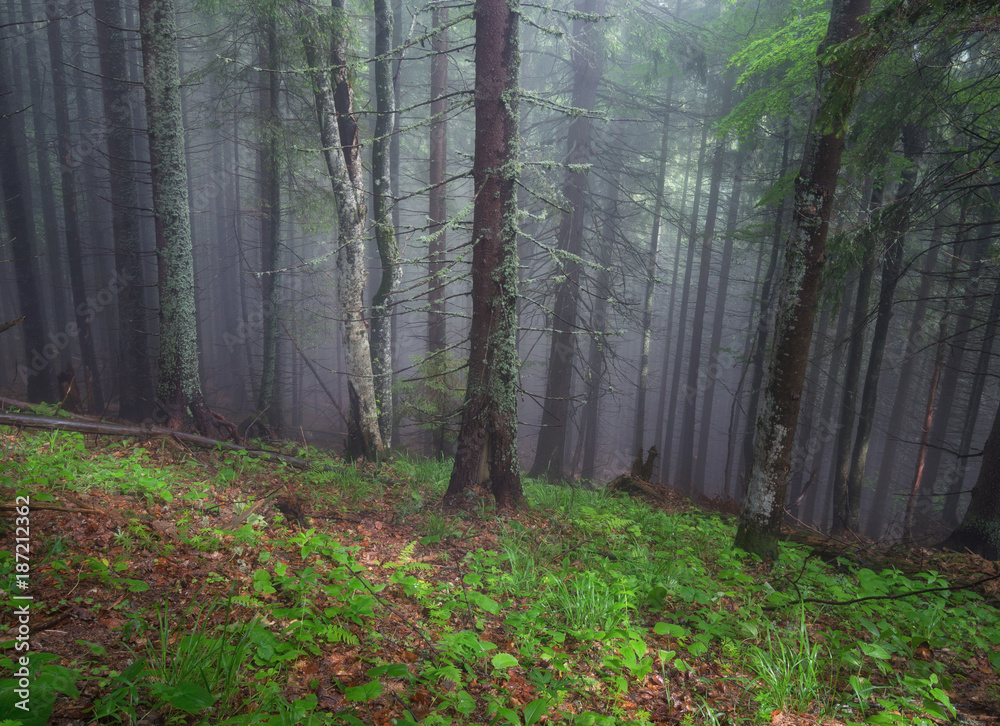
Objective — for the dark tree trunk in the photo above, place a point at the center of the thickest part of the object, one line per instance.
(54, 252)
(487, 440)
(550, 454)
(67, 174)
(268, 413)
(764, 507)
(135, 383)
(35, 370)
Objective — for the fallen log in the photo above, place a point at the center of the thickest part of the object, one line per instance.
(80, 425)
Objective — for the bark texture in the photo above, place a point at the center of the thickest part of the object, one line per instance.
(339, 136)
(487, 440)
(764, 507)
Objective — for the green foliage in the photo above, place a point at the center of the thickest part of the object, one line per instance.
(433, 397)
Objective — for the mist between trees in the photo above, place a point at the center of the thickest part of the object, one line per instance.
(759, 236)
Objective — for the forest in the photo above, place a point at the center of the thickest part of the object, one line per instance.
(485, 264)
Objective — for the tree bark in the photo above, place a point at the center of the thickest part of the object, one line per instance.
(268, 415)
(135, 388)
(339, 130)
(179, 381)
(763, 509)
(550, 454)
(487, 439)
(385, 231)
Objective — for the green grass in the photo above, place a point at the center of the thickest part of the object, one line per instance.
(586, 608)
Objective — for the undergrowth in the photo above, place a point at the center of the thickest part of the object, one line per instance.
(585, 608)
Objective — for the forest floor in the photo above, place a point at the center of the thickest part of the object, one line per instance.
(172, 585)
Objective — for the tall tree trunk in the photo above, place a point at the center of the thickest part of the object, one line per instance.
(764, 506)
(179, 382)
(268, 413)
(487, 439)
(675, 386)
(339, 130)
(437, 339)
(385, 231)
(550, 454)
(54, 252)
(651, 277)
(852, 372)
(718, 320)
(15, 185)
(849, 516)
(67, 176)
(764, 322)
(695, 371)
(135, 387)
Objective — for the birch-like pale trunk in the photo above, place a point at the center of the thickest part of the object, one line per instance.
(364, 436)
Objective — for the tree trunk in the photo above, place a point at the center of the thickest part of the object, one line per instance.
(487, 440)
(437, 338)
(764, 507)
(67, 165)
(764, 322)
(47, 189)
(21, 228)
(651, 272)
(849, 516)
(179, 382)
(550, 454)
(268, 415)
(135, 388)
(339, 130)
(385, 231)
